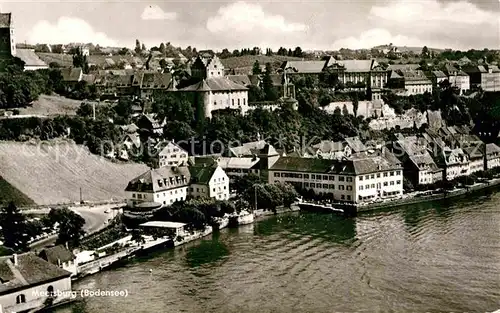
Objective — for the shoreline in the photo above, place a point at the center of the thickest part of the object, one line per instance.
(495, 183)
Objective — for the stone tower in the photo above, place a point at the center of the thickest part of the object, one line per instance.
(7, 42)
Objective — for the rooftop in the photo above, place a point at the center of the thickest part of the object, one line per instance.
(57, 254)
(30, 270)
(163, 178)
(215, 84)
(202, 174)
(29, 57)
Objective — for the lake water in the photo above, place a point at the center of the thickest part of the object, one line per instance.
(422, 258)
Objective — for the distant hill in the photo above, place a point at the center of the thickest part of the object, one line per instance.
(54, 173)
(416, 50)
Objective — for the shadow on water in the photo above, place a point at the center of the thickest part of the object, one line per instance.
(329, 227)
(206, 252)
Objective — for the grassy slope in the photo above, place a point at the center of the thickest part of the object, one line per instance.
(52, 105)
(51, 177)
(9, 193)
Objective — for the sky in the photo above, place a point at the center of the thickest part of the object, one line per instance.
(312, 24)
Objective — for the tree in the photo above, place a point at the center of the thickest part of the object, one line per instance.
(80, 60)
(345, 112)
(425, 52)
(143, 47)
(297, 52)
(267, 84)
(70, 226)
(14, 228)
(137, 46)
(256, 68)
(162, 49)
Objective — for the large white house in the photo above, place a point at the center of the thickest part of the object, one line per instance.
(209, 182)
(360, 179)
(27, 282)
(172, 155)
(164, 185)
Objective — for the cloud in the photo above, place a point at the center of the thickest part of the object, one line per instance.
(245, 17)
(154, 12)
(66, 30)
(424, 12)
(375, 37)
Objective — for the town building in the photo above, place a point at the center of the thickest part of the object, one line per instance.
(164, 185)
(209, 182)
(7, 41)
(28, 282)
(409, 82)
(485, 76)
(492, 156)
(207, 67)
(164, 228)
(219, 93)
(172, 155)
(457, 78)
(437, 77)
(61, 257)
(234, 167)
(476, 158)
(419, 166)
(360, 179)
(150, 123)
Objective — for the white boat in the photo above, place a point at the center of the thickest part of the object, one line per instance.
(245, 217)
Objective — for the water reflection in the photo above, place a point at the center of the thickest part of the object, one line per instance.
(206, 252)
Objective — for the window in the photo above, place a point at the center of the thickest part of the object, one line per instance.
(367, 186)
(325, 186)
(244, 101)
(133, 195)
(385, 174)
(392, 183)
(372, 176)
(341, 178)
(232, 101)
(313, 176)
(139, 196)
(306, 185)
(392, 173)
(341, 187)
(398, 172)
(348, 197)
(238, 101)
(367, 177)
(213, 189)
(158, 195)
(360, 187)
(50, 291)
(325, 177)
(385, 183)
(164, 202)
(313, 185)
(349, 187)
(306, 176)
(398, 182)
(342, 197)
(360, 178)
(332, 178)
(373, 185)
(331, 186)
(20, 299)
(378, 175)
(276, 174)
(349, 179)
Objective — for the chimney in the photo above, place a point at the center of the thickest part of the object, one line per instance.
(16, 262)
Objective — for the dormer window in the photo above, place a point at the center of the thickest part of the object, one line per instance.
(160, 183)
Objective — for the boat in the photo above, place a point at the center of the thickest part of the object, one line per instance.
(245, 218)
(320, 208)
